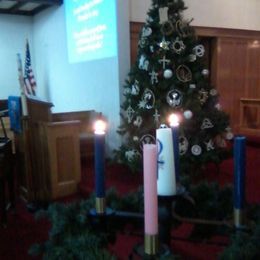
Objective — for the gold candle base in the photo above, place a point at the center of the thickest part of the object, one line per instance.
(100, 205)
(238, 217)
(151, 244)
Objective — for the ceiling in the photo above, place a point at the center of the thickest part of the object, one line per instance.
(26, 7)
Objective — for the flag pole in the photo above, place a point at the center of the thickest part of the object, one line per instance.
(21, 82)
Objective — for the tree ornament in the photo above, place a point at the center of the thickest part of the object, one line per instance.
(154, 77)
(164, 44)
(203, 96)
(199, 50)
(205, 72)
(209, 145)
(167, 28)
(151, 49)
(135, 138)
(192, 58)
(146, 139)
(168, 73)
(196, 150)
(213, 92)
(206, 124)
(135, 88)
(132, 155)
(183, 144)
(229, 136)
(143, 63)
(187, 114)
(148, 98)
(178, 46)
(156, 117)
(218, 106)
(183, 73)
(146, 31)
(174, 98)
(127, 91)
(192, 86)
(130, 114)
(163, 126)
(138, 121)
(163, 14)
(142, 42)
(183, 29)
(164, 61)
(220, 141)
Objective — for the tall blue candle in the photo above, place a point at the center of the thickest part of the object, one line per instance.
(99, 146)
(174, 123)
(239, 171)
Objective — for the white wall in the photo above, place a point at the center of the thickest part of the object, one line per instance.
(236, 14)
(13, 33)
(81, 86)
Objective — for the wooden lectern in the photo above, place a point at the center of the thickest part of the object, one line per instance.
(48, 153)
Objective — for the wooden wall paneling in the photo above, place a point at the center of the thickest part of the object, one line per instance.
(63, 153)
(252, 87)
(135, 29)
(231, 74)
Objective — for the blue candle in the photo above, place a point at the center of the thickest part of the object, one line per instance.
(175, 138)
(239, 171)
(174, 122)
(99, 146)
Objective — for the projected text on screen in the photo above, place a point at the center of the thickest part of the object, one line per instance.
(91, 29)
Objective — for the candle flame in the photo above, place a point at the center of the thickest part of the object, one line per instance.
(99, 127)
(174, 120)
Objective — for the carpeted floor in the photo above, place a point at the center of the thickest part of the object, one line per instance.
(23, 230)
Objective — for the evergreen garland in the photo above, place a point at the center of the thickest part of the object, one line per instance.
(72, 235)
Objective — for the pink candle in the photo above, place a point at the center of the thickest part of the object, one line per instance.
(150, 189)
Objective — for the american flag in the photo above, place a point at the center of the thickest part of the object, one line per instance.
(29, 80)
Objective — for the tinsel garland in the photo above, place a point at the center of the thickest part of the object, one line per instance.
(72, 236)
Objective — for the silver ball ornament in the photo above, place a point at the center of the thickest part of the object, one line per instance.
(187, 114)
(167, 73)
(205, 72)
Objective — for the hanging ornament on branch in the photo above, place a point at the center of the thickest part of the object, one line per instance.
(131, 155)
(178, 46)
(203, 96)
(146, 139)
(146, 32)
(129, 114)
(164, 61)
(143, 63)
(164, 44)
(167, 28)
(205, 72)
(209, 145)
(174, 98)
(163, 14)
(156, 117)
(154, 77)
(138, 121)
(183, 73)
(206, 124)
(135, 88)
(183, 144)
(199, 50)
(196, 150)
(187, 114)
(183, 28)
(167, 74)
(148, 100)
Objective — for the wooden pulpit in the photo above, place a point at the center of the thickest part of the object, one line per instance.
(48, 153)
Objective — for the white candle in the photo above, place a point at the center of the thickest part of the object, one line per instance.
(166, 182)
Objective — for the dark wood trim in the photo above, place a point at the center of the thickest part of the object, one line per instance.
(135, 27)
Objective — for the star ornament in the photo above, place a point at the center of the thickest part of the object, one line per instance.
(164, 44)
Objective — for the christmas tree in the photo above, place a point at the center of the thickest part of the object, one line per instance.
(169, 76)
